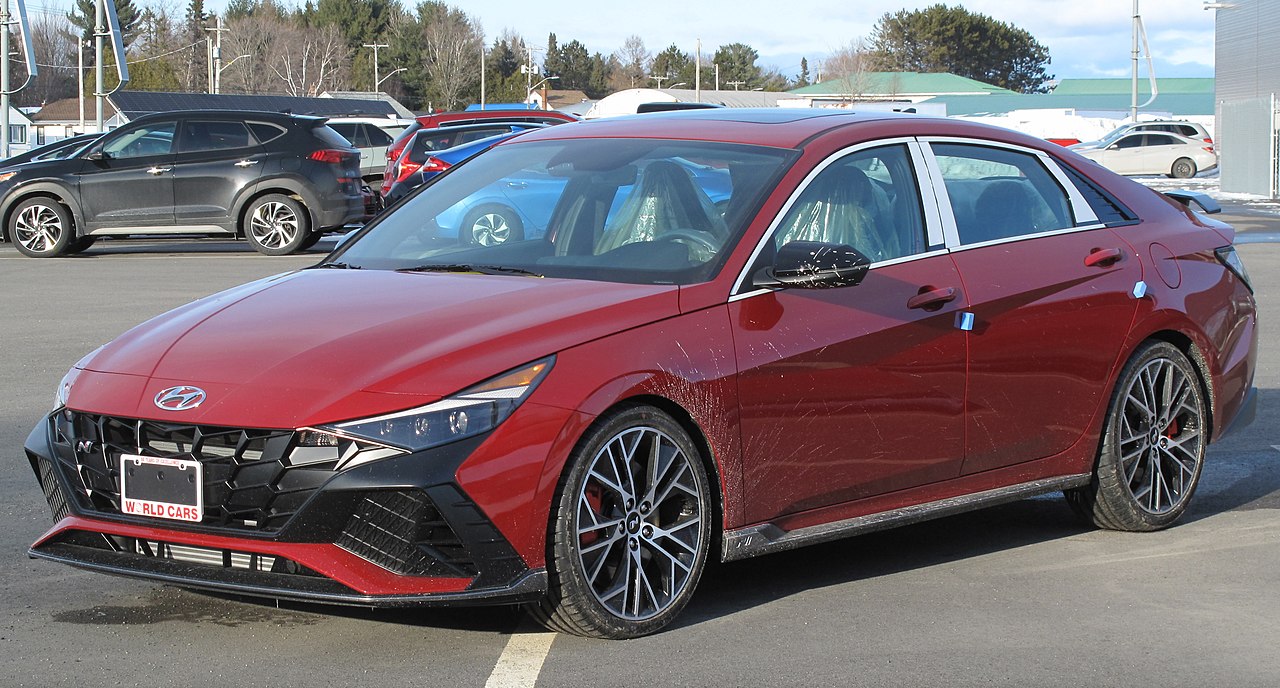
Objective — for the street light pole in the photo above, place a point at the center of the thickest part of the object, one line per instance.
(375, 47)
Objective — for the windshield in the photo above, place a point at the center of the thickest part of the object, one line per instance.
(618, 210)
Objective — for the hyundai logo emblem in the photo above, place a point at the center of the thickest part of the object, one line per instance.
(180, 398)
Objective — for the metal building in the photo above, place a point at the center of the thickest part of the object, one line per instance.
(1247, 58)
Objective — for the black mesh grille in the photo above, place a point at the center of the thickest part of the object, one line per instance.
(402, 531)
(53, 491)
(253, 479)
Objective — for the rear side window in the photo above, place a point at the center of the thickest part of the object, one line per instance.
(1108, 208)
(329, 137)
(207, 135)
(998, 193)
(1160, 140)
(376, 136)
(350, 131)
(265, 132)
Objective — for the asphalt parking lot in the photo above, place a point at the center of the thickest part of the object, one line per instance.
(1018, 595)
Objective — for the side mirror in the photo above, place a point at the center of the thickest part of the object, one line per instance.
(814, 265)
(97, 156)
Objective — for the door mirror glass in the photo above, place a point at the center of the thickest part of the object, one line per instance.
(97, 155)
(814, 265)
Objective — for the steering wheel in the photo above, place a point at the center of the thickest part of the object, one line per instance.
(702, 239)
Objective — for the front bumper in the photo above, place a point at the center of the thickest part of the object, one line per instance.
(397, 531)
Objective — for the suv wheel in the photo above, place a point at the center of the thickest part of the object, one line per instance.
(40, 228)
(276, 225)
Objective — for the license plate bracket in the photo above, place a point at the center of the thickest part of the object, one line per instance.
(159, 487)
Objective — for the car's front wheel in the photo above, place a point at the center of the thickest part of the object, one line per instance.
(276, 225)
(41, 227)
(1183, 168)
(631, 529)
(1153, 444)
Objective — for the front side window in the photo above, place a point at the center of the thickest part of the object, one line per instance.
(997, 193)
(867, 200)
(147, 140)
(622, 210)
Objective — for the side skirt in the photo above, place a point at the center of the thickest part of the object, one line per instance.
(766, 538)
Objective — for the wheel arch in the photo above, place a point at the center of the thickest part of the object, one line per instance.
(52, 191)
(275, 186)
(1191, 350)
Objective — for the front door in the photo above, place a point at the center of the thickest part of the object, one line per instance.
(131, 184)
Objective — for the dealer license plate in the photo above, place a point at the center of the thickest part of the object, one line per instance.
(157, 487)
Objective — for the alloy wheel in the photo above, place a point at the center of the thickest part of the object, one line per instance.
(1161, 436)
(38, 228)
(490, 229)
(274, 224)
(638, 523)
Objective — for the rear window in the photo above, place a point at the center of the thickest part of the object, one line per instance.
(266, 132)
(329, 137)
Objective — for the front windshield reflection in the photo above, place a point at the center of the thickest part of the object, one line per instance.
(624, 210)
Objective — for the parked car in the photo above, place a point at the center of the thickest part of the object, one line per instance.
(1191, 130)
(370, 136)
(1160, 153)
(55, 150)
(428, 141)
(421, 162)
(889, 318)
(278, 180)
(471, 117)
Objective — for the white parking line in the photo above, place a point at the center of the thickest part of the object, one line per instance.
(1276, 447)
(521, 659)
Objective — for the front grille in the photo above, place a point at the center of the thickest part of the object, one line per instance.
(187, 554)
(53, 491)
(254, 479)
(402, 531)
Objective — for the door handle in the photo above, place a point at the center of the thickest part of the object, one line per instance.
(246, 163)
(517, 185)
(1103, 257)
(158, 170)
(933, 299)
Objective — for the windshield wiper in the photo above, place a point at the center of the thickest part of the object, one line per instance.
(337, 266)
(463, 267)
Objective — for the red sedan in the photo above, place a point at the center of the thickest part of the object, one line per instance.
(880, 319)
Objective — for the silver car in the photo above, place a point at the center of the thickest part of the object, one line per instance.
(1153, 153)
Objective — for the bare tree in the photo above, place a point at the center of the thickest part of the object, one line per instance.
(634, 60)
(253, 36)
(309, 61)
(451, 46)
(850, 68)
(54, 45)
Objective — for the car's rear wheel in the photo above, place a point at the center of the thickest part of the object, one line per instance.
(276, 225)
(1153, 444)
(1183, 168)
(41, 227)
(491, 225)
(631, 528)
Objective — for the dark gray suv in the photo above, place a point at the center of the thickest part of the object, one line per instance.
(278, 180)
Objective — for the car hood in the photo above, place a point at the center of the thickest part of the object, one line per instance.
(319, 346)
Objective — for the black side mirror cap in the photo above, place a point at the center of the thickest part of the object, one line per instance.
(97, 155)
(814, 265)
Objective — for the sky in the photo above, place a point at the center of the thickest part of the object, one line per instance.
(1086, 38)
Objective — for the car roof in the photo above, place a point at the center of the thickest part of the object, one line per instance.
(230, 115)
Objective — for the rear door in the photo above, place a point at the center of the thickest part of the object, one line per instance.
(132, 184)
(1051, 291)
(216, 160)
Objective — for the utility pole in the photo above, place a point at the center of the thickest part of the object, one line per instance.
(375, 47)
(99, 91)
(697, 73)
(216, 80)
(659, 79)
(1137, 19)
(717, 65)
(735, 84)
(4, 80)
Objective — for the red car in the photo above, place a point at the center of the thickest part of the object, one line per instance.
(448, 120)
(889, 318)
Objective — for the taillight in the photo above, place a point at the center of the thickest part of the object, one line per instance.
(435, 165)
(1209, 148)
(329, 155)
(406, 168)
(1227, 256)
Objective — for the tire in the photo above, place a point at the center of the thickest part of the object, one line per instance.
(491, 225)
(1153, 444)
(312, 239)
(606, 528)
(81, 244)
(276, 225)
(1183, 168)
(41, 227)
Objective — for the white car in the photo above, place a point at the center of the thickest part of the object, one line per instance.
(1191, 130)
(371, 135)
(1154, 153)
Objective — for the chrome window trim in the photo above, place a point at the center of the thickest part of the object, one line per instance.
(1025, 237)
(930, 215)
(1082, 214)
(882, 264)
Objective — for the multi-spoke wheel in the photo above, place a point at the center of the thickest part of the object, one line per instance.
(631, 530)
(40, 227)
(1153, 444)
(1183, 168)
(491, 225)
(276, 225)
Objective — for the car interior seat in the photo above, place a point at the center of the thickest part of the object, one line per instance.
(1003, 209)
(665, 199)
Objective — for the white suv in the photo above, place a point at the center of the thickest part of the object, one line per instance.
(371, 135)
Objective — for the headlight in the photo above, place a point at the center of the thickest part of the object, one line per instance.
(64, 389)
(471, 412)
